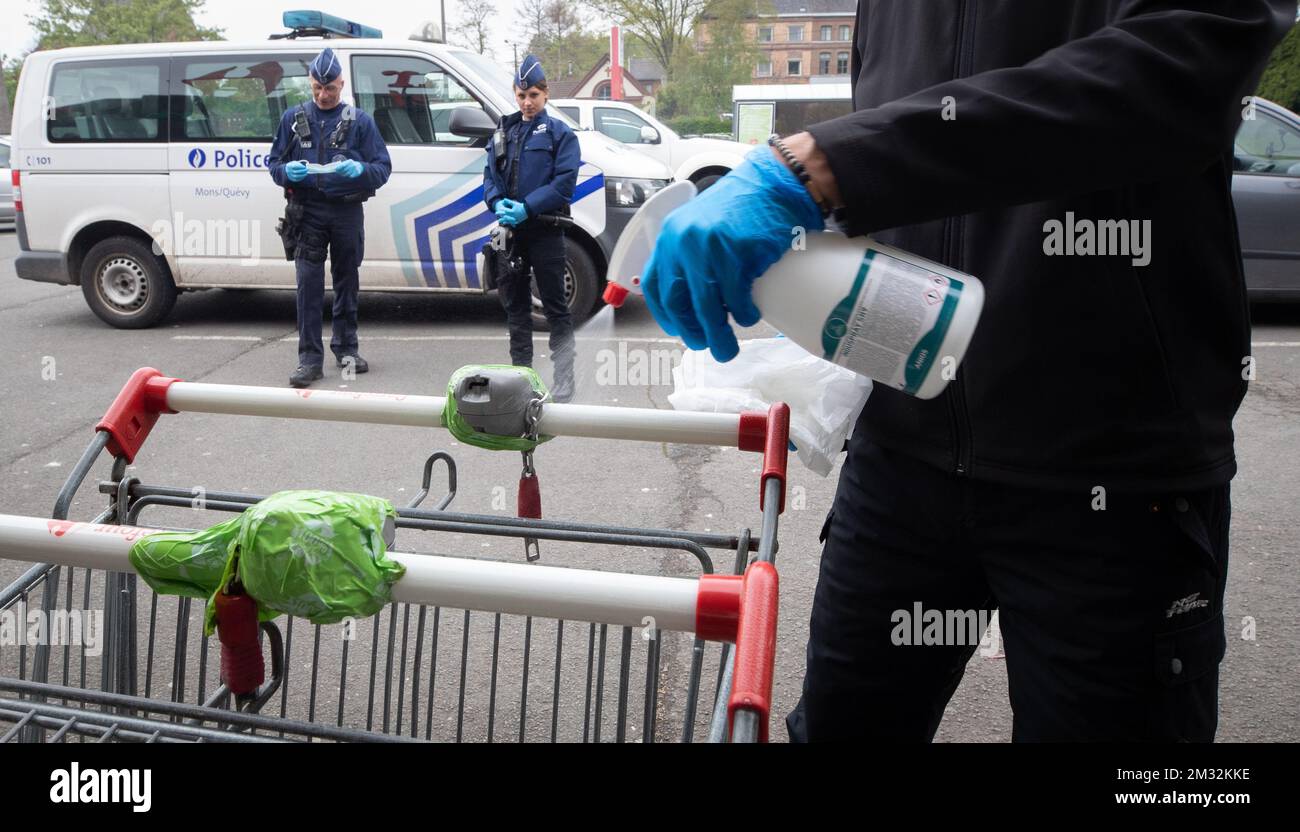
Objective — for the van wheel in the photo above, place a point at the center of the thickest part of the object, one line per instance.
(705, 182)
(581, 287)
(126, 284)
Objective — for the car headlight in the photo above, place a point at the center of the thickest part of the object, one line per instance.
(621, 192)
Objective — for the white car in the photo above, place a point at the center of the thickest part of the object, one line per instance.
(140, 170)
(6, 186)
(700, 160)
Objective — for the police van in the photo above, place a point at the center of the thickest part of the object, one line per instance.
(139, 170)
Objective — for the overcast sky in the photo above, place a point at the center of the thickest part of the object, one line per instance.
(256, 19)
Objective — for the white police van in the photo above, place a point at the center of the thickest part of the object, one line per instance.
(140, 170)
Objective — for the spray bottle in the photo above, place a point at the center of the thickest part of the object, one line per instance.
(901, 320)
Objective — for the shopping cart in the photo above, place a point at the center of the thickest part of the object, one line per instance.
(563, 641)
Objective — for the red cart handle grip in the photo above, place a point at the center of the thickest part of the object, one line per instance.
(242, 665)
(755, 646)
(776, 451)
(133, 413)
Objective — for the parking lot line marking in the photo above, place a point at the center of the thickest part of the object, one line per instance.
(1275, 343)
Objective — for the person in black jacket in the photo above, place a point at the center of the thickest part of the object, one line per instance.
(532, 168)
(1074, 475)
(328, 131)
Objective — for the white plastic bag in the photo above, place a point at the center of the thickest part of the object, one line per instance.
(824, 399)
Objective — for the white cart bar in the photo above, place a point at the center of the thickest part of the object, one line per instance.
(590, 421)
(524, 589)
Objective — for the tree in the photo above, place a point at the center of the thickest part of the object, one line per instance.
(663, 26)
(703, 77)
(557, 32)
(1281, 80)
(6, 113)
(63, 23)
(474, 31)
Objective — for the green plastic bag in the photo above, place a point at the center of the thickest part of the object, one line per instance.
(319, 555)
(185, 563)
(462, 430)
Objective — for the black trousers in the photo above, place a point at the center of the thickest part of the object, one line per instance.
(543, 250)
(1112, 619)
(341, 227)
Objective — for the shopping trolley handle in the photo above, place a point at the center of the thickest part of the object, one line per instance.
(135, 411)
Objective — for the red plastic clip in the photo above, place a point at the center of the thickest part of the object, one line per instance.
(776, 452)
(717, 607)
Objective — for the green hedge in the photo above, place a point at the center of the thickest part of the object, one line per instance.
(698, 125)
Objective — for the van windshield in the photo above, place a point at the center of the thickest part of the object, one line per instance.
(499, 80)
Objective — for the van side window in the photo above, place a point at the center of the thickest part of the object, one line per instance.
(573, 113)
(230, 97)
(619, 125)
(411, 99)
(107, 101)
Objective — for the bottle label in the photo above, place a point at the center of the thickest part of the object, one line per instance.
(891, 323)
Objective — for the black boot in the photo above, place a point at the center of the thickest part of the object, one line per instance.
(563, 353)
(304, 376)
(359, 364)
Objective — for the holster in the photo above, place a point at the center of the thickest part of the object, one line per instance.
(289, 227)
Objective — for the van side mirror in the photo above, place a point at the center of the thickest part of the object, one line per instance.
(649, 135)
(472, 122)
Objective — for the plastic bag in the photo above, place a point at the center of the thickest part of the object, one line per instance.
(824, 399)
(319, 555)
(185, 563)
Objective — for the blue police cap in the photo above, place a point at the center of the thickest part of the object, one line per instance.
(529, 72)
(326, 66)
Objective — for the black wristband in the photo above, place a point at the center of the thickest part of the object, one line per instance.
(800, 172)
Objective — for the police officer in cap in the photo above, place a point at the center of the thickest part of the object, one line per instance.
(327, 132)
(532, 167)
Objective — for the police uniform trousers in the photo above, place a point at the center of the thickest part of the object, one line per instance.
(543, 248)
(1110, 605)
(340, 227)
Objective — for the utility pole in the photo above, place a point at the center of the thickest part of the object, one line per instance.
(443, 6)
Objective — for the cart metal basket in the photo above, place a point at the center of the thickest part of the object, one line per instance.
(469, 650)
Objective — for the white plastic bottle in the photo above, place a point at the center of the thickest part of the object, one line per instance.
(901, 320)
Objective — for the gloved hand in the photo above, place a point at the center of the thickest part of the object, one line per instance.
(296, 171)
(711, 249)
(349, 169)
(512, 213)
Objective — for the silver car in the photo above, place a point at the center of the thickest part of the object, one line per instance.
(6, 185)
(1266, 193)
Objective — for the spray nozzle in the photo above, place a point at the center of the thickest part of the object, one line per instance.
(637, 241)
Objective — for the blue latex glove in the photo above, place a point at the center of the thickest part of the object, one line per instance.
(710, 251)
(511, 213)
(296, 171)
(349, 169)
